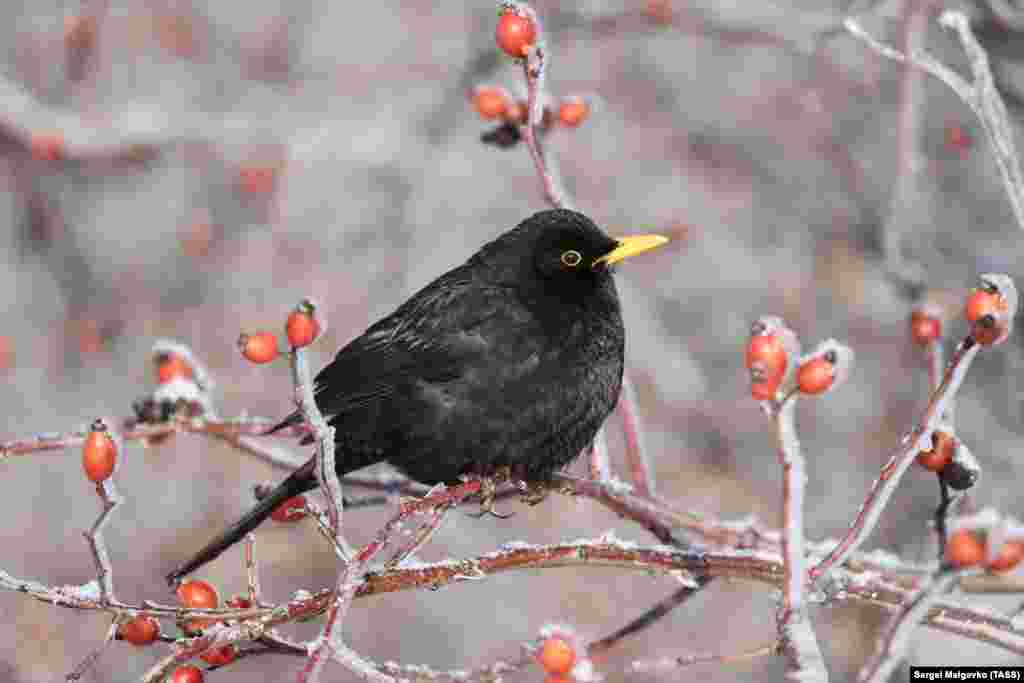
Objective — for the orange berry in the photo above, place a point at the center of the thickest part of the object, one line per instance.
(941, 454)
(924, 328)
(171, 366)
(99, 453)
(573, 112)
(517, 112)
(1009, 557)
(239, 602)
(79, 32)
(557, 655)
(141, 630)
(515, 34)
(766, 351)
(964, 548)
(816, 375)
(957, 139)
(187, 674)
(259, 347)
(490, 103)
(197, 593)
(302, 327)
(220, 656)
(985, 311)
(291, 510)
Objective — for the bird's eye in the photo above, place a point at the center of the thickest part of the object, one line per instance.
(571, 258)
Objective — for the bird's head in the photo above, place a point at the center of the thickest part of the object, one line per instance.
(561, 250)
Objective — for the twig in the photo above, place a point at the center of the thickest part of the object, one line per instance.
(641, 473)
(648, 618)
(667, 664)
(892, 645)
(981, 96)
(918, 439)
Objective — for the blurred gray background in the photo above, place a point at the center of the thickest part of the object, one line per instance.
(779, 153)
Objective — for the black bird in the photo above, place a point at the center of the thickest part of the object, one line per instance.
(513, 359)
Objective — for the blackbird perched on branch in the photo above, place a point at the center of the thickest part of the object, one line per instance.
(512, 360)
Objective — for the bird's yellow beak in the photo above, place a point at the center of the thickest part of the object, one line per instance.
(630, 246)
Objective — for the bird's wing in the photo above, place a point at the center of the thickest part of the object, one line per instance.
(444, 331)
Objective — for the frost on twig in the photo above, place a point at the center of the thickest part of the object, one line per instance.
(981, 96)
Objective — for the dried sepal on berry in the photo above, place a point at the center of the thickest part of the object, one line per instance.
(99, 453)
(926, 324)
(825, 368)
(964, 470)
(770, 355)
(990, 309)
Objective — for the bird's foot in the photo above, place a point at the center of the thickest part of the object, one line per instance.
(533, 492)
(489, 491)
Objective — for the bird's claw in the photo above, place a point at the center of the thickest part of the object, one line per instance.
(488, 492)
(533, 492)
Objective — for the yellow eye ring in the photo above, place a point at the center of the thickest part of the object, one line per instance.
(571, 258)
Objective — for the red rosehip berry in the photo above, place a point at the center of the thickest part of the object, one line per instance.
(958, 139)
(515, 34)
(924, 328)
(239, 602)
(141, 630)
(302, 327)
(259, 347)
(291, 510)
(557, 656)
(187, 674)
(1009, 557)
(816, 375)
(766, 359)
(964, 548)
(941, 454)
(220, 656)
(490, 103)
(198, 594)
(171, 366)
(99, 453)
(254, 179)
(573, 112)
(986, 312)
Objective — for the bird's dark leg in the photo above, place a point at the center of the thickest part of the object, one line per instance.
(489, 490)
(534, 492)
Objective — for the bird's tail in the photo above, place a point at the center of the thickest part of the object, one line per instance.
(301, 480)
